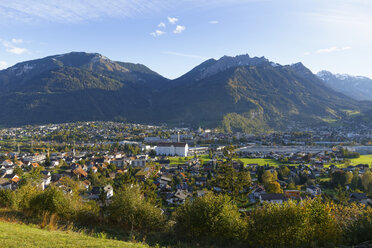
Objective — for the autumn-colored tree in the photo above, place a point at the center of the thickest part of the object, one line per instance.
(273, 187)
(267, 177)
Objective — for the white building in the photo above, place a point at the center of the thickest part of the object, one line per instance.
(172, 149)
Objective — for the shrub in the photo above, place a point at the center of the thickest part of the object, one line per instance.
(52, 200)
(361, 229)
(7, 199)
(211, 216)
(24, 195)
(130, 209)
(309, 223)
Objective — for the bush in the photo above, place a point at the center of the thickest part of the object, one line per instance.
(211, 216)
(24, 195)
(7, 199)
(130, 209)
(361, 229)
(52, 200)
(309, 223)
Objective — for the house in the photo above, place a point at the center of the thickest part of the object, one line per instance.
(313, 190)
(258, 190)
(292, 194)
(34, 165)
(7, 163)
(5, 183)
(272, 198)
(46, 180)
(143, 174)
(164, 181)
(80, 173)
(97, 191)
(179, 197)
(201, 181)
(172, 149)
(109, 191)
(359, 197)
(138, 163)
(86, 184)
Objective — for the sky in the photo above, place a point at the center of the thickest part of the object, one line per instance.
(173, 36)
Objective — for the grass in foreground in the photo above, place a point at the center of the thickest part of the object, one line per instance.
(20, 235)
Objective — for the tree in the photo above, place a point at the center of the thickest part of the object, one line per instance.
(130, 209)
(244, 178)
(52, 200)
(285, 171)
(338, 177)
(342, 195)
(152, 153)
(212, 216)
(267, 177)
(260, 172)
(273, 187)
(18, 171)
(356, 181)
(349, 177)
(47, 162)
(367, 179)
(291, 186)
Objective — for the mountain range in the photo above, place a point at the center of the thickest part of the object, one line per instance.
(234, 93)
(357, 87)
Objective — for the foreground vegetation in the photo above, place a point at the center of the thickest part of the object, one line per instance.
(19, 235)
(210, 220)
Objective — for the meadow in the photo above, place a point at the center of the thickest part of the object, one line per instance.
(21, 235)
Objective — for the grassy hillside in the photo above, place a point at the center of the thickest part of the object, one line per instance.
(17, 235)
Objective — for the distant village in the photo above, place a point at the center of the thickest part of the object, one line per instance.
(176, 164)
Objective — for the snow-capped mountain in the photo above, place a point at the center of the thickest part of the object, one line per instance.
(357, 87)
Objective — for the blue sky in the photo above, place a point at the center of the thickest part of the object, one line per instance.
(173, 36)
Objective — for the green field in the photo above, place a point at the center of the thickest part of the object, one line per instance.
(17, 235)
(181, 160)
(363, 159)
(259, 161)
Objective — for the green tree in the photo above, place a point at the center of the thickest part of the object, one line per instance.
(338, 177)
(367, 180)
(212, 216)
(130, 209)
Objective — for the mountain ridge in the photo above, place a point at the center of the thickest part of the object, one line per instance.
(356, 87)
(235, 93)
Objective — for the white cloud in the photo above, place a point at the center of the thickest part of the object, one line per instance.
(161, 25)
(172, 20)
(11, 48)
(307, 53)
(179, 29)
(333, 49)
(17, 50)
(186, 55)
(213, 22)
(17, 41)
(157, 33)
(3, 65)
